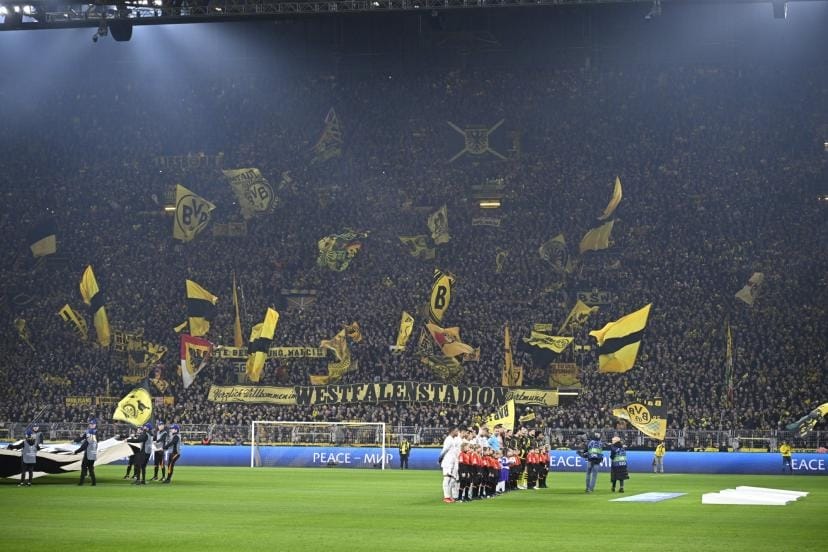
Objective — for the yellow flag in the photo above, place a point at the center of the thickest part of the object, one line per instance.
(614, 200)
(93, 297)
(238, 337)
(597, 238)
(201, 308)
(504, 416)
(192, 213)
(554, 343)
(135, 408)
(43, 238)
(406, 328)
(619, 341)
(438, 224)
(318, 380)
(260, 339)
(649, 417)
(440, 295)
(577, 316)
(72, 317)
(512, 376)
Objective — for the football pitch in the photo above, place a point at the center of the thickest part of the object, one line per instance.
(300, 509)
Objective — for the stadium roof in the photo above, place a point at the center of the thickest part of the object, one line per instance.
(40, 14)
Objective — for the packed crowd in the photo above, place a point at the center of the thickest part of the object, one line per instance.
(720, 169)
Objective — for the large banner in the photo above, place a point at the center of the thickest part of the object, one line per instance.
(273, 352)
(397, 391)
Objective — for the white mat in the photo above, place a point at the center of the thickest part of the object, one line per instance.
(755, 496)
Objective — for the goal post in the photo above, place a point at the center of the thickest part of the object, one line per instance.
(346, 444)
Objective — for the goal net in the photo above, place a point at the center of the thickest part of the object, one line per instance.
(344, 444)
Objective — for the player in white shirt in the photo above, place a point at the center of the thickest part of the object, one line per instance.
(448, 461)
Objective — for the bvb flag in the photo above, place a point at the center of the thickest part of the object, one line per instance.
(448, 339)
(503, 416)
(406, 328)
(554, 252)
(238, 336)
(804, 425)
(619, 341)
(201, 308)
(577, 316)
(440, 296)
(614, 200)
(136, 407)
(649, 417)
(438, 224)
(192, 213)
(93, 297)
(253, 191)
(552, 342)
(194, 353)
(71, 317)
(43, 238)
(597, 238)
(261, 338)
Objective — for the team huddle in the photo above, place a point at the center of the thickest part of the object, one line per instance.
(477, 465)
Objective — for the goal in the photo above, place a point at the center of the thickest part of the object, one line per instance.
(345, 444)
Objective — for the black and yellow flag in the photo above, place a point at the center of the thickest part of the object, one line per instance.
(201, 308)
(648, 416)
(136, 407)
(503, 416)
(555, 253)
(94, 298)
(438, 224)
(619, 341)
(43, 238)
(418, 246)
(354, 332)
(577, 316)
(614, 200)
(406, 328)
(597, 238)
(261, 337)
(253, 191)
(192, 213)
(440, 296)
(512, 375)
(554, 343)
(330, 142)
(238, 336)
(339, 345)
(729, 386)
(141, 354)
(74, 319)
(23, 332)
(806, 424)
(447, 369)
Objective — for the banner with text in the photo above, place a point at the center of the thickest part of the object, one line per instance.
(397, 391)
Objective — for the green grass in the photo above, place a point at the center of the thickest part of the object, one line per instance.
(328, 509)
